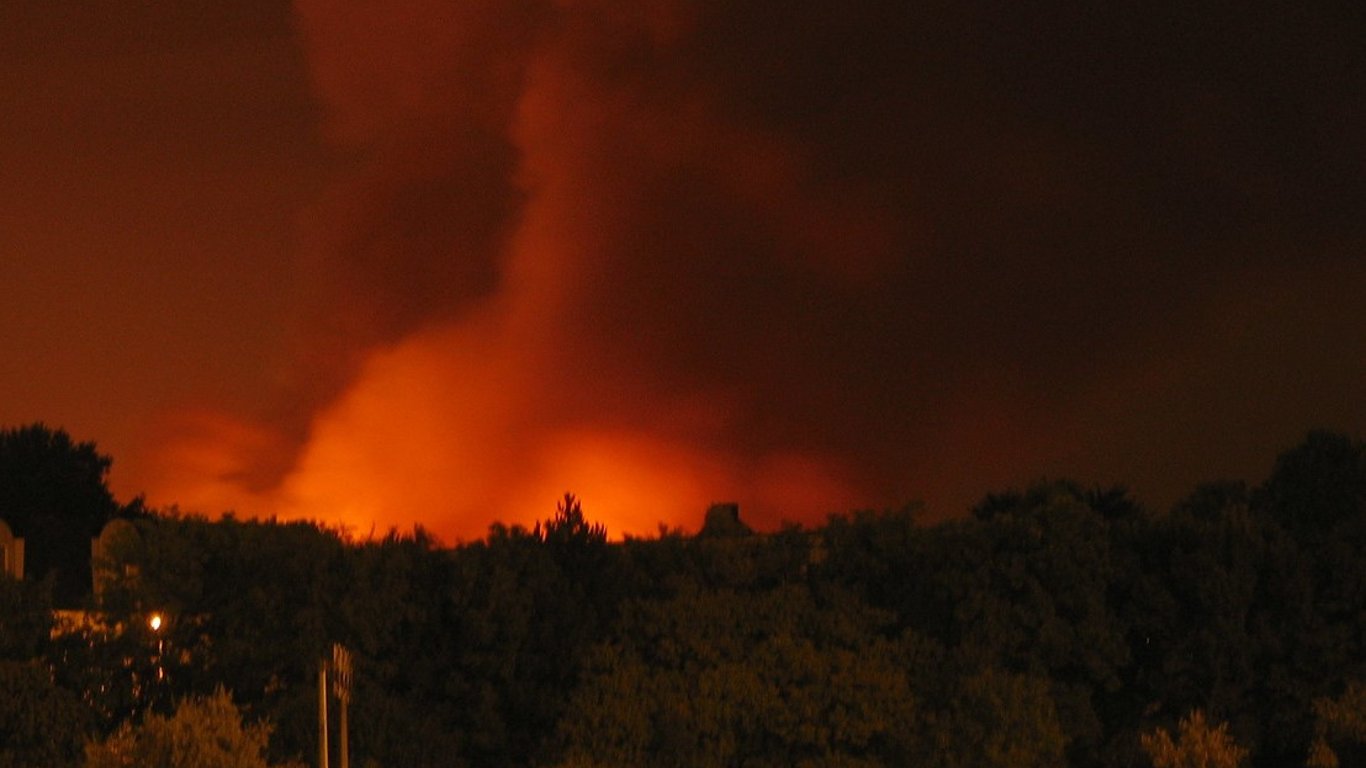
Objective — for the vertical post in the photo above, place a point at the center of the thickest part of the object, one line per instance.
(341, 688)
(344, 759)
(322, 714)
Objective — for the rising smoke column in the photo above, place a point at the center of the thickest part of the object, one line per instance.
(800, 255)
(606, 330)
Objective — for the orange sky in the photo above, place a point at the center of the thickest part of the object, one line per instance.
(439, 262)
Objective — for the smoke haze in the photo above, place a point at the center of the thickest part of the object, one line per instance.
(804, 256)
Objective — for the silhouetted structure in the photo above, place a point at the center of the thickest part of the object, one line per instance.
(723, 521)
(11, 552)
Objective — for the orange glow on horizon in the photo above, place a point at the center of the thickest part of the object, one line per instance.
(427, 436)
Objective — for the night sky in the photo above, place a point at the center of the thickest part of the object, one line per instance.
(439, 261)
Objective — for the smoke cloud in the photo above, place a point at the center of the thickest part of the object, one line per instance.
(805, 256)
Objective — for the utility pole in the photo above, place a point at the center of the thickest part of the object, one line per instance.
(341, 688)
(322, 714)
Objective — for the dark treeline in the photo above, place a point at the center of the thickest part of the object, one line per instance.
(1056, 625)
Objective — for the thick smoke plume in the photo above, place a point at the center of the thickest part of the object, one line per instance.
(803, 255)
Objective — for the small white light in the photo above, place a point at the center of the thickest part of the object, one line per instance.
(155, 622)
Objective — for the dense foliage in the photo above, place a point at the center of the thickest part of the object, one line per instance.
(53, 494)
(1055, 625)
(204, 732)
(1197, 745)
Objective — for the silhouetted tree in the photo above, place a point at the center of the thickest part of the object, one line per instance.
(999, 720)
(1052, 621)
(569, 527)
(40, 723)
(397, 617)
(1024, 585)
(25, 617)
(1340, 726)
(204, 732)
(1193, 619)
(529, 603)
(250, 605)
(727, 678)
(1315, 628)
(1318, 487)
(1197, 745)
(882, 557)
(53, 493)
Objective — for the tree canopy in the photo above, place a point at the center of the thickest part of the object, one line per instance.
(1053, 625)
(204, 732)
(53, 492)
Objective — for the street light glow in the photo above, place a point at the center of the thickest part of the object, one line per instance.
(155, 622)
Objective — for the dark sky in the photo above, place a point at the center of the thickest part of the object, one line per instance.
(438, 261)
